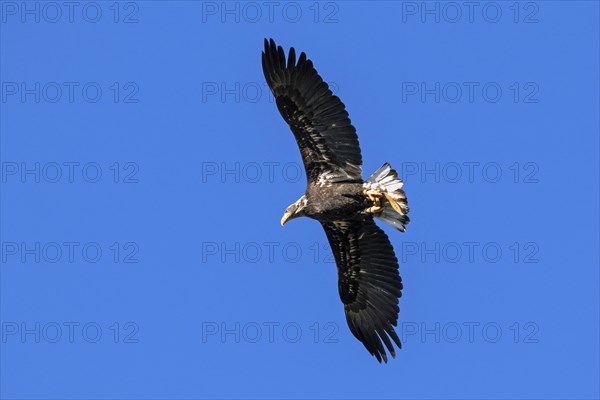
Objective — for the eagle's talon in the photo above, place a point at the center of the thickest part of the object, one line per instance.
(374, 197)
(374, 210)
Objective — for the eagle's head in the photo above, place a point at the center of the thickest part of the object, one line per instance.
(295, 210)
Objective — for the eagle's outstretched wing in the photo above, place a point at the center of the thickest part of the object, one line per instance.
(368, 281)
(319, 120)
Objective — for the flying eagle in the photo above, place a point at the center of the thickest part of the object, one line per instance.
(368, 280)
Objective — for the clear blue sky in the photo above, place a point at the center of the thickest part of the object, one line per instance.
(145, 170)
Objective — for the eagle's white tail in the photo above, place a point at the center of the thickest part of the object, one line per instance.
(385, 181)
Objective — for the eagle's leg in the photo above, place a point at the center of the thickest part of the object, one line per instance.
(374, 197)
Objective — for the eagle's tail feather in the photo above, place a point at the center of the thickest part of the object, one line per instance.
(394, 203)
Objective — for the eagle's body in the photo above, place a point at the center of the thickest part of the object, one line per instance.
(336, 195)
(342, 201)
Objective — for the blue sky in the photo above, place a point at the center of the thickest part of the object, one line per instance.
(145, 169)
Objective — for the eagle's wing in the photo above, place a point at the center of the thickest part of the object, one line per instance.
(319, 120)
(368, 281)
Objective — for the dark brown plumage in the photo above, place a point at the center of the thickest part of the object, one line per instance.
(368, 279)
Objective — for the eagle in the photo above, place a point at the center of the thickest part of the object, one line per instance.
(369, 283)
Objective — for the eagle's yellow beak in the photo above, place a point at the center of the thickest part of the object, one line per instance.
(285, 217)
